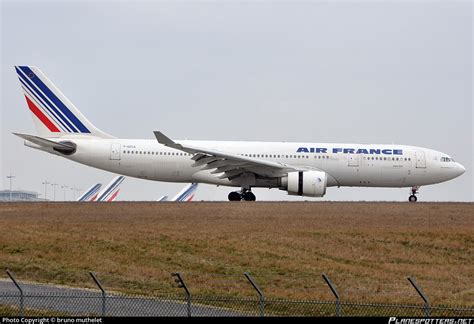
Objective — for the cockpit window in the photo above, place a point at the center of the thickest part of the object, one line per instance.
(446, 159)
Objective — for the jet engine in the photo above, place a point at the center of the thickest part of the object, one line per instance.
(305, 183)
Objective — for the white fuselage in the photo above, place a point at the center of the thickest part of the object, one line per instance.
(362, 165)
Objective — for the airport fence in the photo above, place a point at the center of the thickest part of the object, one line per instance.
(30, 300)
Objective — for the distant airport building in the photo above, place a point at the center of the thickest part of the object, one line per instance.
(19, 195)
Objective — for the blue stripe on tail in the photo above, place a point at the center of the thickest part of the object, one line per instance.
(58, 117)
(186, 194)
(77, 123)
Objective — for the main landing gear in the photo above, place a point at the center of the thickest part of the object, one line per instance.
(245, 194)
(414, 191)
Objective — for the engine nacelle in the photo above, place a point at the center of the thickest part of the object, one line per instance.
(305, 183)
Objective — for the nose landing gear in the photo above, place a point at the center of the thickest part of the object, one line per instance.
(245, 194)
(414, 191)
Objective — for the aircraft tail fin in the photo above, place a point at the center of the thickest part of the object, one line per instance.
(110, 192)
(187, 194)
(53, 113)
(91, 193)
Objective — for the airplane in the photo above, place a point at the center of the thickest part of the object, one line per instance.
(91, 193)
(187, 194)
(303, 169)
(109, 193)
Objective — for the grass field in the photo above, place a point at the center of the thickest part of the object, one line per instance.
(367, 249)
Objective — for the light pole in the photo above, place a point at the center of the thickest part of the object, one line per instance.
(74, 189)
(54, 190)
(64, 187)
(46, 183)
(10, 177)
(79, 190)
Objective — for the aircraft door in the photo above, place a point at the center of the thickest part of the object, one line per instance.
(115, 151)
(420, 159)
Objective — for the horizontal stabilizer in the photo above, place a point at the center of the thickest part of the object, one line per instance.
(63, 147)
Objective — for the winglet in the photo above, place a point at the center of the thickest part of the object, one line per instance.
(163, 139)
(166, 141)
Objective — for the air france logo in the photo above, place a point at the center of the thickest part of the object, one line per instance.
(336, 150)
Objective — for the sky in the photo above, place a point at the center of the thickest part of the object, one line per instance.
(336, 72)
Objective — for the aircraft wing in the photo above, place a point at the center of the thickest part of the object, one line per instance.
(230, 165)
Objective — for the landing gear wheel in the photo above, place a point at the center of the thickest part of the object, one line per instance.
(248, 196)
(234, 196)
(412, 198)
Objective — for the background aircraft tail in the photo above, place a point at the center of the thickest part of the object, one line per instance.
(110, 192)
(187, 194)
(91, 193)
(54, 115)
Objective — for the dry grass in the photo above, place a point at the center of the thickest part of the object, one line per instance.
(367, 249)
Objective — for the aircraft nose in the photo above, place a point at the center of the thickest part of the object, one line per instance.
(460, 169)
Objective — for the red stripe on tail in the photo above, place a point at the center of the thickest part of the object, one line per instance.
(41, 116)
(114, 196)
